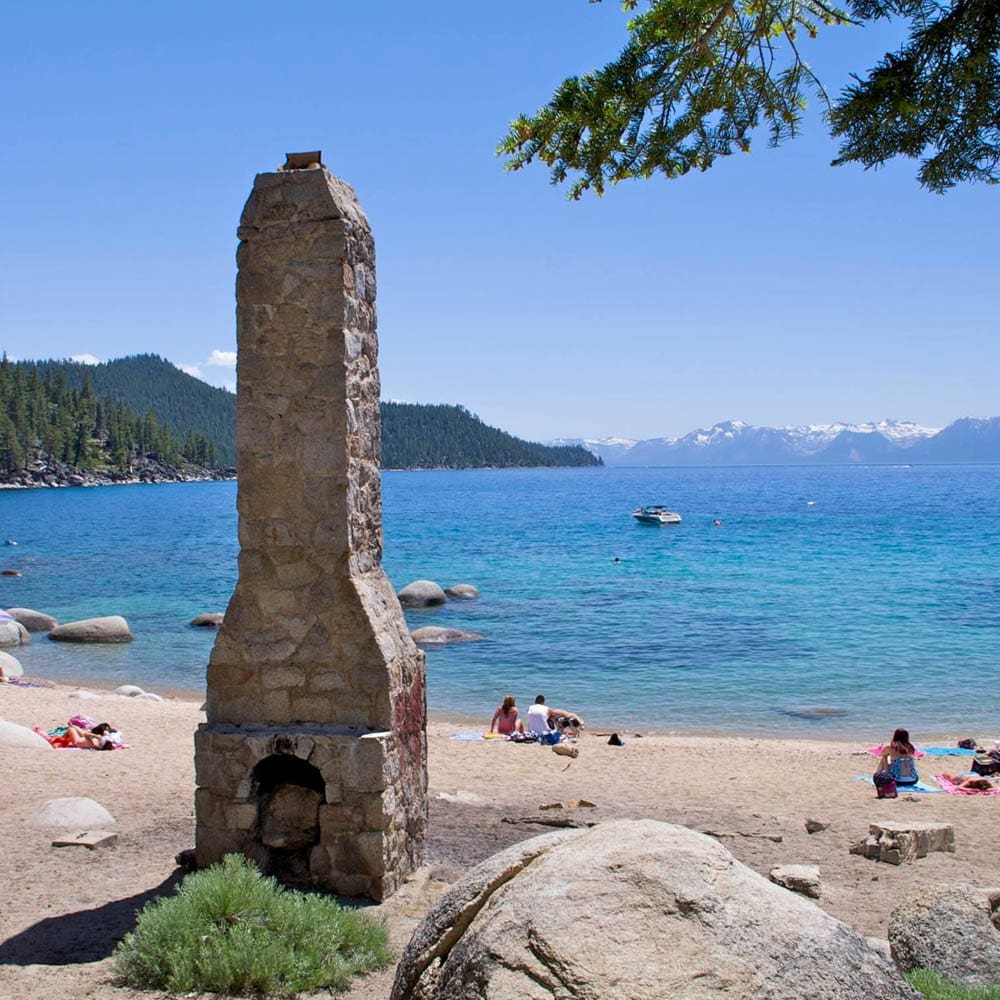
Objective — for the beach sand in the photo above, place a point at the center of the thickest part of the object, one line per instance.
(64, 908)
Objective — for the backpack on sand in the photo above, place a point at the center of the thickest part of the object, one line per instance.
(885, 784)
(985, 763)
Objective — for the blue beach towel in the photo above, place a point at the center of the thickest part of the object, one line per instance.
(466, 736)
(920, 786)
(947, 752)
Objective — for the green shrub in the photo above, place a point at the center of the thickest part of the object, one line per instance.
(231, 930)
(935, 987)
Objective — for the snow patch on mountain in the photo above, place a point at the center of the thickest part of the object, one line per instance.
(740, 442)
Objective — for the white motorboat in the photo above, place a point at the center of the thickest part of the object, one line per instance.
(655, 515)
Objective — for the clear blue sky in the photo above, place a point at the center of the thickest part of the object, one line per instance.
(773, 289)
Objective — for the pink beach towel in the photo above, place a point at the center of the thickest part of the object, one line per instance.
(952, 789)
(877, 752)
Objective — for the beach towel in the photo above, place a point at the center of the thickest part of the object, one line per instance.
(902, 789)
(466, 736)
(950, 788)
(57, 738)
(877, 752)
(930, 752)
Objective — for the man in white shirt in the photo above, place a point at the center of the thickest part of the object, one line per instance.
(542, 719)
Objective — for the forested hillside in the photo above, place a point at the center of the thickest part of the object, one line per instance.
(48, 427)
(423, 436)
(109, 415)
(148, 383)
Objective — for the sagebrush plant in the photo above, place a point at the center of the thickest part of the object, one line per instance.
(936, 987)
(230, 929)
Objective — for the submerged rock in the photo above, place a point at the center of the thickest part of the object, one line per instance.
(210, 619)
(463, 591)
(814, 713)
(432, 635)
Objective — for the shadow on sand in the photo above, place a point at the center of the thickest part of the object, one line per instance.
(83, 936)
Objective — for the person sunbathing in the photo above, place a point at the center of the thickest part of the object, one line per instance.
(103, 736)
(970, 782)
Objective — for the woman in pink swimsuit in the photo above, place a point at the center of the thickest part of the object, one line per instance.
(505, 718)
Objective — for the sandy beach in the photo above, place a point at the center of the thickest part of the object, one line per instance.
(64, 908)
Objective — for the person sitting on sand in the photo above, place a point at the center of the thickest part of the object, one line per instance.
(542, 719)
(505, 718)
(970, 782)
(898, 757)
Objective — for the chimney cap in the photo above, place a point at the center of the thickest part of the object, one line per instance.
(303, 161)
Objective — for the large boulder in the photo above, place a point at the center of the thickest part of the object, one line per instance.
(634, 910)
(422, 594)
(33, 621)
(130, 690)
(112, 628)
(68, 813)
(21, 737)
(952, 930)
(12, 633)
(10, 666)
(463, 591)
(434, 635)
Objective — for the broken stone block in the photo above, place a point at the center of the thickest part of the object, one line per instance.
(896, 843)
(87, 838)
(799, 878)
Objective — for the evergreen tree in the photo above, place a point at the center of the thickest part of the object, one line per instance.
(697, 78)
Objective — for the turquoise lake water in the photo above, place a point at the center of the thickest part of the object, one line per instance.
(874, 592)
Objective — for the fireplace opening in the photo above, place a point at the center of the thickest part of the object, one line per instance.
(288, 793)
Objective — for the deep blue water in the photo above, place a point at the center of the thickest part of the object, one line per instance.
(880, 599)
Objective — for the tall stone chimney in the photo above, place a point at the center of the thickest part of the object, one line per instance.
(313, 757)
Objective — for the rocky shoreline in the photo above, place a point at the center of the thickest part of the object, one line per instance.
(52, 474)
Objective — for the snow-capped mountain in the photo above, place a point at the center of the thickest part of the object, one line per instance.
(734, 442)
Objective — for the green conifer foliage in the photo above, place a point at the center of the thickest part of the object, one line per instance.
(698, 78)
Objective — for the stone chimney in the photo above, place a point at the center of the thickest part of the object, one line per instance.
(313, 757)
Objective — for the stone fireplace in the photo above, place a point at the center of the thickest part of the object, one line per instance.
(313, 757)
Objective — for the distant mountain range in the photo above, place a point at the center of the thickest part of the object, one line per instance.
(733, 442)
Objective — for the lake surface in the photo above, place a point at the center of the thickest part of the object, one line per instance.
(869, 593)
